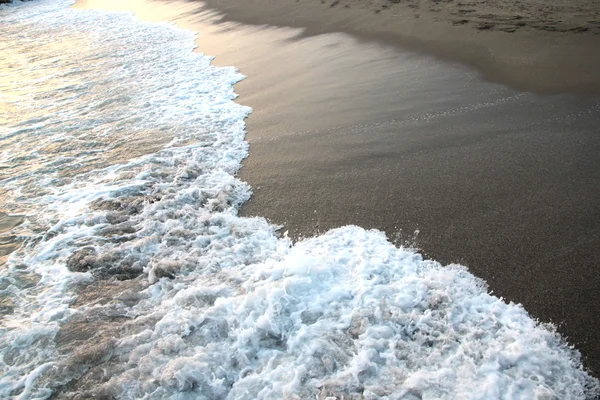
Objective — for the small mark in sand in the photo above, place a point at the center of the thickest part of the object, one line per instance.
(579, 29)
(460, 22)
(485, 26)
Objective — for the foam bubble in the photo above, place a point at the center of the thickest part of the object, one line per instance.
(348, 315)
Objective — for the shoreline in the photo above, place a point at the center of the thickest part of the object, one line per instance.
(538, 50)
(404, 142)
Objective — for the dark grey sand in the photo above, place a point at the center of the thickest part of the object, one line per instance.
(351, 131)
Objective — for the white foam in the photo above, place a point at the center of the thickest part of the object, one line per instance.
(242, 314)
(343, 314)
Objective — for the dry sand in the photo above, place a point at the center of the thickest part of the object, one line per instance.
(545, 46)
(348, 131)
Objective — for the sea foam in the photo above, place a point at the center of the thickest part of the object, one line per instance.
(137, 278)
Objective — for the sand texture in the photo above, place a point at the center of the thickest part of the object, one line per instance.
(501, 15)
(543, 46)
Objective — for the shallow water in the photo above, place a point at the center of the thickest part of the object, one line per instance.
(135, 278)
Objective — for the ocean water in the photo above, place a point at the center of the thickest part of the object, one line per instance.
(132, 275)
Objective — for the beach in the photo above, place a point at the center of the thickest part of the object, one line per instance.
(342, 134)
(465, 134)
(349, 130)
(531, 45)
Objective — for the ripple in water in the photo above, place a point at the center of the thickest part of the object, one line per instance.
(135, 277)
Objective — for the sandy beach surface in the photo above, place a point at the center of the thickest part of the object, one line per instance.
(546, 46)
(354, 130)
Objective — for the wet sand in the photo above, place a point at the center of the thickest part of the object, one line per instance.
(8, 241)
(351, 131)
